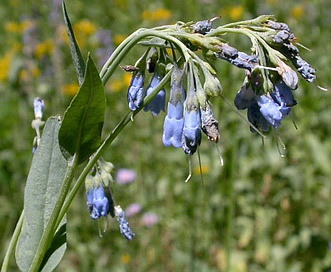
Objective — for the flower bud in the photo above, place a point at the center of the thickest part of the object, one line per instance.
(38, 106)
(123, 224)
(236, 58)
(212, 86)
(202, 27)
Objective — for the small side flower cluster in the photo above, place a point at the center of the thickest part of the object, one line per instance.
(264, 110)
(37, 123)
(99, 200)
(267, 89)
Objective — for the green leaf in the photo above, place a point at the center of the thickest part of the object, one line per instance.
(77, 58)
(81, 128)
(41, 192)
(54, 253)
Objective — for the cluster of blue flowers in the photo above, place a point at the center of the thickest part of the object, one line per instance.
(266, 92)
(188, 112)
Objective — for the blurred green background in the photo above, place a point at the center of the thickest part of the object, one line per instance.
(259, 212)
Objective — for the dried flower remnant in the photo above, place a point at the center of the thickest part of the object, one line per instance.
(209, 124)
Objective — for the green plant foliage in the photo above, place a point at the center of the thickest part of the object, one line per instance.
(41, 192)
(81, 128)
(77, 58)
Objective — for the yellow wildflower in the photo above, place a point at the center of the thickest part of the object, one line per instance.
(62, 34)
(70, 89)
(84, 27)
(4, 65)
(204, 169)
(160, 14)
(82, 30)
(118, 39)
(35, 72)
(125, 258)
(13, 27)
(120, 84)
(127, 79)
(17, 27)
(43, 48)
(236, 12)
(297, 11)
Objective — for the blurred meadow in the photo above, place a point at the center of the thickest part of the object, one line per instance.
(259, 212)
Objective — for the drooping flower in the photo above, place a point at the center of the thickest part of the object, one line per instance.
(38, 106)
(136, 90)
(244, 96)
(158, 102)
(192, 127)
(174, 120)
(256, 118)
(282, 94)
(98, 201)
(270, 110)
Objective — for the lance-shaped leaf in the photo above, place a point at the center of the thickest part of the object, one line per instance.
(41, 192)
(75, 52)
(80, 132)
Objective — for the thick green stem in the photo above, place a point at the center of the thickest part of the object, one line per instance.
(51, 226)
(122, 50)
(12, 244)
